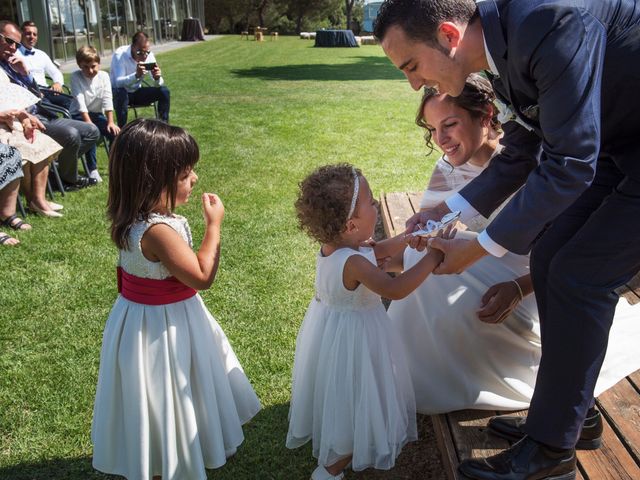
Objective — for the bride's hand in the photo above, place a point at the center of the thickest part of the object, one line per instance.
(498, 302)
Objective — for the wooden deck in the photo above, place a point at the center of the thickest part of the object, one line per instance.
(463, 434)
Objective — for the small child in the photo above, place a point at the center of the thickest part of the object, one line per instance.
(93, 101)
(351, 394)
(171, 396)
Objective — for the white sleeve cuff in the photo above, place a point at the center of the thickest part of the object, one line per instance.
(457, 202)
(491, 246)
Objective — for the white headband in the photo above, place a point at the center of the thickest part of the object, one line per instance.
(356, 189)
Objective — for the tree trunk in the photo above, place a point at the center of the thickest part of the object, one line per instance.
(349, 11)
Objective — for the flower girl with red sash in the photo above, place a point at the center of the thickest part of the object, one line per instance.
(171, 397)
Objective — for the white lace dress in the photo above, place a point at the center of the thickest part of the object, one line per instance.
(351, 390)
(171, 395)
(456, 361)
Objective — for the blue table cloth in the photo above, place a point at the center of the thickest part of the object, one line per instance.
(335, 38)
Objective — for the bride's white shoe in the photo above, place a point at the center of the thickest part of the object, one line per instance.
(321, 473)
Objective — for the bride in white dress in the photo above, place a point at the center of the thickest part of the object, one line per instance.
(456, 360)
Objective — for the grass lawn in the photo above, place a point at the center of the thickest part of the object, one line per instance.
(264, 115)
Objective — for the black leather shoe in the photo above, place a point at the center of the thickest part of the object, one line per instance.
(82, 182)
(511, 428)
(525, 460)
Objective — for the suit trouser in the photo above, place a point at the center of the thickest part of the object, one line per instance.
(76, 138)
(589, 250)
(144, 95)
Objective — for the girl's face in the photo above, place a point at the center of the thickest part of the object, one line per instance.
(366, 213)
(454, 130)
(186, 181)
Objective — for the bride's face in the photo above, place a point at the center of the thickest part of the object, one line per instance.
(454, 130)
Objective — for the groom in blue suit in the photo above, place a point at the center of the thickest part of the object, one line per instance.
(570, 71)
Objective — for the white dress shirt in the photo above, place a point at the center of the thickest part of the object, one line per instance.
(123, 70)
(91, 94)
(39, 65)
(458, 202)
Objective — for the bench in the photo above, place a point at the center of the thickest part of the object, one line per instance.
(462, 434)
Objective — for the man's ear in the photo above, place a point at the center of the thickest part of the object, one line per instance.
(448, 35)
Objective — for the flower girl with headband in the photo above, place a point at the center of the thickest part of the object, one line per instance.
(171, 396)
(351, 393)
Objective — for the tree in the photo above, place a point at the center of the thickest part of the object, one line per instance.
(348, 10)
(300, 10)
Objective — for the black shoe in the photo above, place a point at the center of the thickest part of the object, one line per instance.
(525, 460)
(511, 428)
(82, 182)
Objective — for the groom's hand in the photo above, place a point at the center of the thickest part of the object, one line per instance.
(459, 254)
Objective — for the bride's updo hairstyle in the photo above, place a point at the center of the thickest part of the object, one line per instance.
(477, 98)
(324, 201)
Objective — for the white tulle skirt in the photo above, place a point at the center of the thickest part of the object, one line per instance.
(171, 395)
(351, 392)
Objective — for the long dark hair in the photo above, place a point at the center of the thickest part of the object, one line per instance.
(477, 98)
(146, 159)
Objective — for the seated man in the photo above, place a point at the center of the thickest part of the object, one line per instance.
(75, 137)
(129, 64)
(39, 65)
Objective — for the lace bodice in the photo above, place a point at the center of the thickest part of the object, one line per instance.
(446, 181)
(135, 263)
(330, 289)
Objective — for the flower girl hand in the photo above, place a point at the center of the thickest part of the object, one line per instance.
(213, 209)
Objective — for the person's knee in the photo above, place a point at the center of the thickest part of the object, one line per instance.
(68, 137)
(164, 93)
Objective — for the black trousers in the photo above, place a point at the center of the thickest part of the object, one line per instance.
(588, 251)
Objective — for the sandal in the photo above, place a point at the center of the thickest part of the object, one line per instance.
(16, 223)
(4, 238)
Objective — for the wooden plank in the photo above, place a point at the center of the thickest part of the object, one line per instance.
(621, 406)
(387, 223)
(469, 431)
(634, 378)
(399, 210)
(414, 199)
(446, 446)
(612, 461)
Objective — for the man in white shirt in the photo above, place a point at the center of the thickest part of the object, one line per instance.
(129, 65)
(40, 65)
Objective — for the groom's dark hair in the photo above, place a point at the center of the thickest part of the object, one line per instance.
(420, 18)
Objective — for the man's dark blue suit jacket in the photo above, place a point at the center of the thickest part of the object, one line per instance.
(571, 70)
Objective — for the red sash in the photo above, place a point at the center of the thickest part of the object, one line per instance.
(149, 291)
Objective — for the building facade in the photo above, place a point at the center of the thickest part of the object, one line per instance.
(66, 25)
(370, 13)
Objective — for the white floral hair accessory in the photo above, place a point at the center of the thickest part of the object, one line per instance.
(356, 189)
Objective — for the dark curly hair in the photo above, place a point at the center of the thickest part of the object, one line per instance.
(477, 98)
(324, 201)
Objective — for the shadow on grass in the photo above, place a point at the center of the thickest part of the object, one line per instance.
(263, 455)
(365, 68)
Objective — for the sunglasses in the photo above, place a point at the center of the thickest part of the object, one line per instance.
(9, 41)
(143, 52)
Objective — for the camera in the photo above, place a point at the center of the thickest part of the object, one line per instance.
(149, 66)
